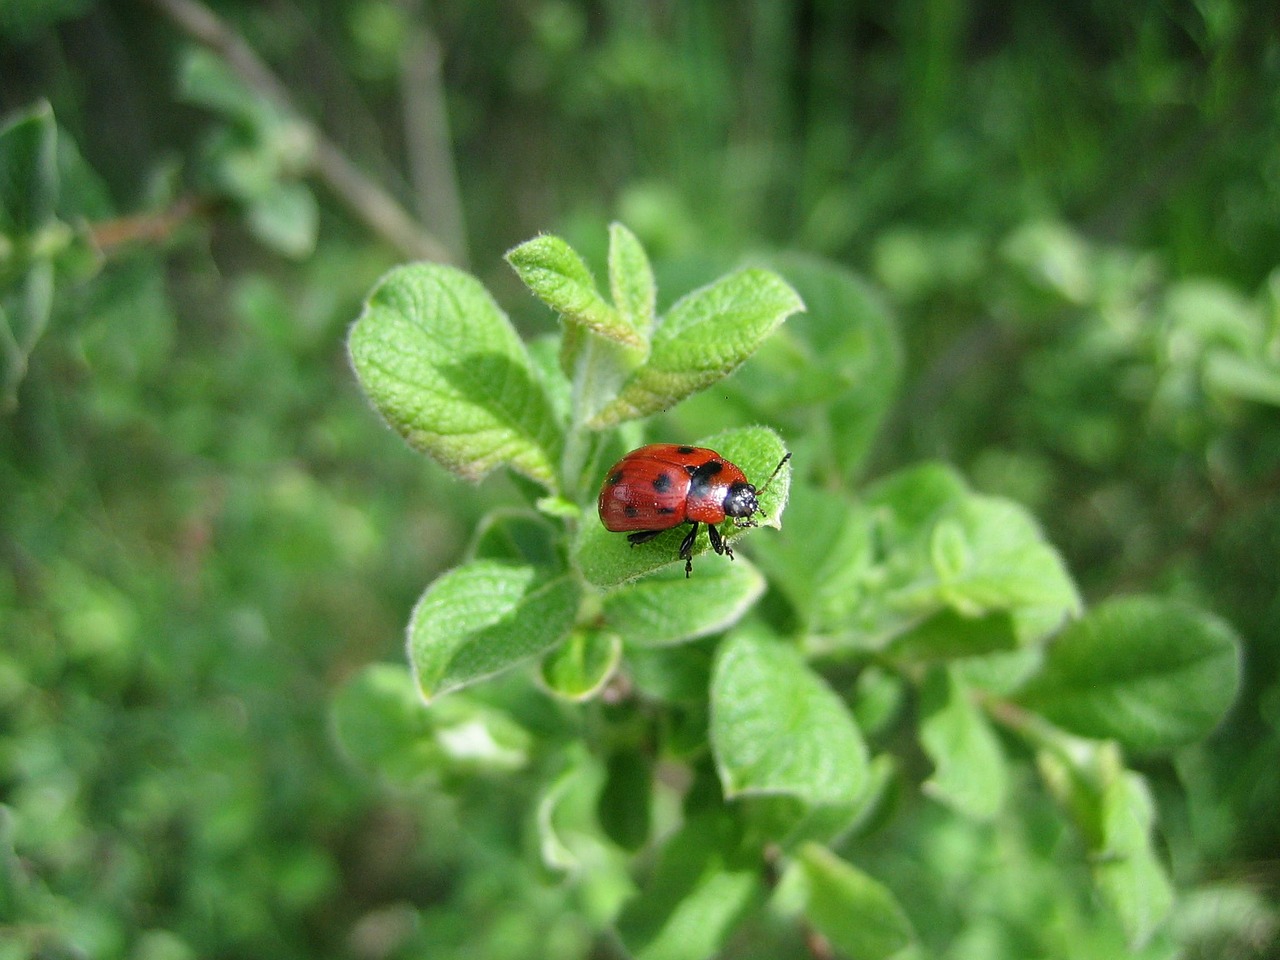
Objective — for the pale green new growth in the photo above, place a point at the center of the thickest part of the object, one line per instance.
(703, 338)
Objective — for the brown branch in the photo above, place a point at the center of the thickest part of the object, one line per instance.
(108, 235)
(371, 204)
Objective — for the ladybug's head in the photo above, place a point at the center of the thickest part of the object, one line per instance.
(741, 500)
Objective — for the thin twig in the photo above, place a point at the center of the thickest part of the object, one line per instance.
(374, 206)
(428, 144)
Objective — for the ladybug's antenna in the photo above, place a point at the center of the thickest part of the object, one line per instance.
(775, 473)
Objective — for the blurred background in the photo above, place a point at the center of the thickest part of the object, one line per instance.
(1071, 210)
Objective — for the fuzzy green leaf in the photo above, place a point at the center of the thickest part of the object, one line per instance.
(861, 918)
(1149, 673)
(667, 608)
(778, 729)
(559, 278)
(703, 338)
(970, 774)
(445, 368)
(631, 280)
(480, 619)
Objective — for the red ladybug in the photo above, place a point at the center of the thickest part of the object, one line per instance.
(663, 485)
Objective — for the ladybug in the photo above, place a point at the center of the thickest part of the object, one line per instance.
(663, 485)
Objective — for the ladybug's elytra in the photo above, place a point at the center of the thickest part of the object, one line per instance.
(663, 485)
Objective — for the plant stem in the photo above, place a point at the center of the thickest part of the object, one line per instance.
(371, 204)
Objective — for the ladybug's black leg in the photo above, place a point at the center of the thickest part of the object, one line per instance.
(718, 543)
(642, 536)
(686, 549)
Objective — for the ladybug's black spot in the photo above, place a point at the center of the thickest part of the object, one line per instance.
(615, 479)
(685, 450)
(666, 511)
(703, 477)
(662, 482)
(630, 511)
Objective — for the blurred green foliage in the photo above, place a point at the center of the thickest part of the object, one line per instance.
(1069, 215)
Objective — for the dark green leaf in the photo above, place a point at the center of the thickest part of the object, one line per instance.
(625, 801)
(28, 173)
(1150, 673)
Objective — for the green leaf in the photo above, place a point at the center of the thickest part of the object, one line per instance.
(695, 897)
(1247, 378)
(485, 617)
(1150, 673)
(948, 635)
(822, 558)
(1126, 869)
(861, 918)
(989, 555)
(703, 338)
(28, 173)
(970, 773)
(443, 365)
(559, 278)
(381, 723)
(608, 559)
(908, 501)
(286, 218)
(29, 237)
(1113, 809)
(566, 833)
(580, 667)
(204, 78)
(778, 729)
(851, 341)
(978, 556)
(625, 802)
(25, 308)
(666, 608)
(570, 839)
(631, 280)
